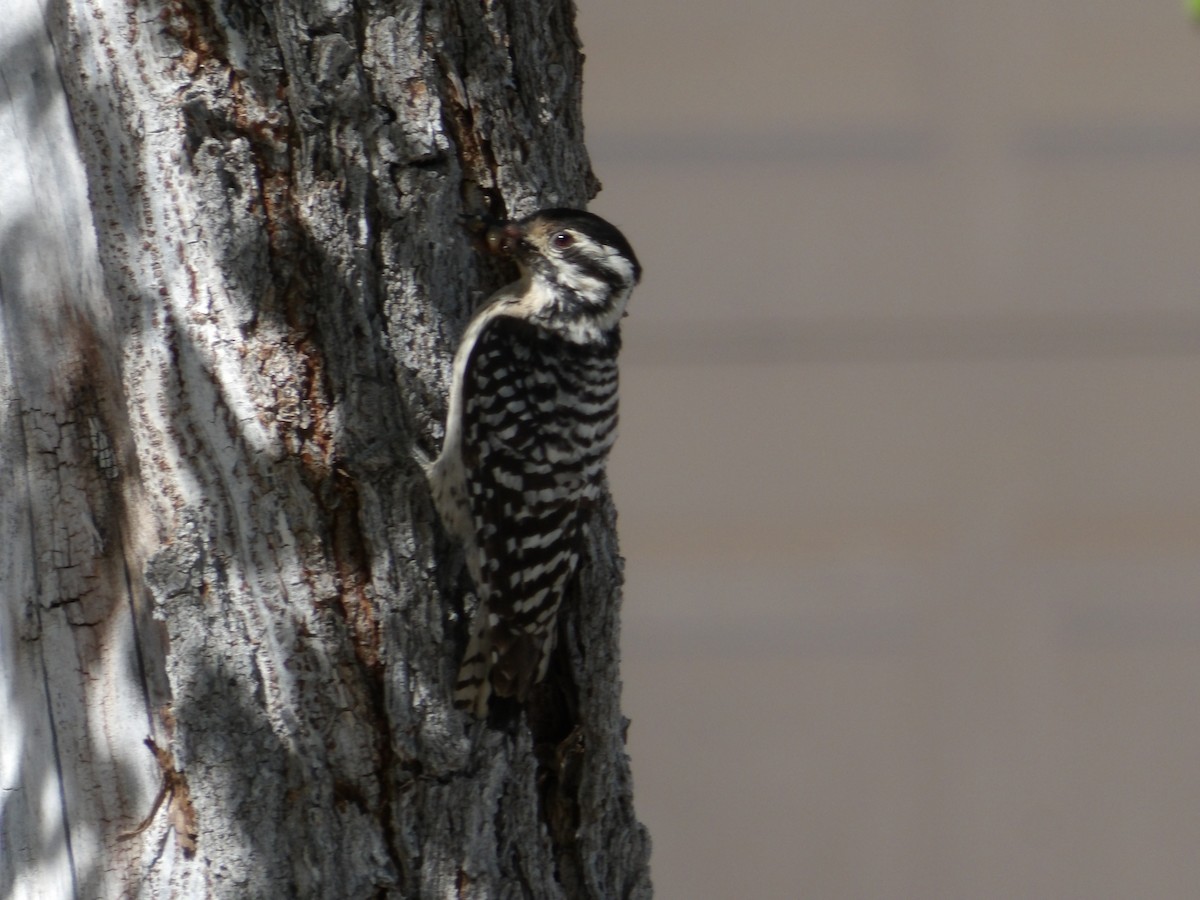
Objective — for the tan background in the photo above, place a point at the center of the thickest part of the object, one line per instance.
(909, 474)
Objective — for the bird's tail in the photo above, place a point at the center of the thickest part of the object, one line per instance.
(501, 660)
(473, 688)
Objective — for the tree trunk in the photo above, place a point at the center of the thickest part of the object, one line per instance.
(231, 281)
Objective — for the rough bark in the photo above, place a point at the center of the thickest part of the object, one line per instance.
(231, 280)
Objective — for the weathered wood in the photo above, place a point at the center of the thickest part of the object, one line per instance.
(231, 280)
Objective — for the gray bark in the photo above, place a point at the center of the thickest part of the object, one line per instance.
(231, 280)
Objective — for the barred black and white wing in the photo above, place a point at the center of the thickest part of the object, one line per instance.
(538, 417)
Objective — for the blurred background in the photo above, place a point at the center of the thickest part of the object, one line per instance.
(909, 471)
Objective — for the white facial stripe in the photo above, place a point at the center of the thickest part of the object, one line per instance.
(590, 290)
(619, 264)
(612, 257)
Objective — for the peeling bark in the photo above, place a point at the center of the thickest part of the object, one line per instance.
(231, 281)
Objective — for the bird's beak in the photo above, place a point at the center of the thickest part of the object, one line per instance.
(504, 238)
(496, 237)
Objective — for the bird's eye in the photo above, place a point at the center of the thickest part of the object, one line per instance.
(563, 240)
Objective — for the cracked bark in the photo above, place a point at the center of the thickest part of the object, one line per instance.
(231, 280)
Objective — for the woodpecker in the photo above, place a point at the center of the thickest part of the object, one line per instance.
(532, 416)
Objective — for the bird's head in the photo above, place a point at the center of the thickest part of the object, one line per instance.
(577, 267)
